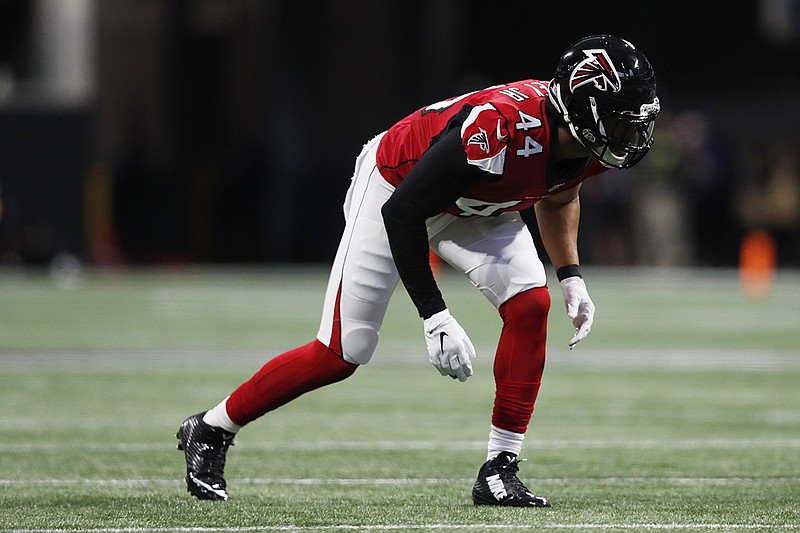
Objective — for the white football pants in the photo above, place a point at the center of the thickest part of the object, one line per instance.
(496, 253)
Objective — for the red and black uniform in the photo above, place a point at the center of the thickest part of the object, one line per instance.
(485, 153)
(452, 177)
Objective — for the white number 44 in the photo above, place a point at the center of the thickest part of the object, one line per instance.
(528, 122)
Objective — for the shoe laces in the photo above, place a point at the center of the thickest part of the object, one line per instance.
(508, 473)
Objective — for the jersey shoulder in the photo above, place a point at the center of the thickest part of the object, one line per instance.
(497, 116)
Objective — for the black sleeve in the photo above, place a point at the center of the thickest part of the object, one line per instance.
(437, 180)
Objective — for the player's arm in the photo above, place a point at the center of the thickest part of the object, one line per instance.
(558, 218)
(438, 179)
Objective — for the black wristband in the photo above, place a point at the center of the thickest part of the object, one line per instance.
(568, 271)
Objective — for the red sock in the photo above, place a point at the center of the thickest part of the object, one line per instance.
(286, 377)
(519, 362)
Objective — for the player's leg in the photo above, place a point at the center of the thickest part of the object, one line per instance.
(499, 257)
(361, 282)
(364, 276)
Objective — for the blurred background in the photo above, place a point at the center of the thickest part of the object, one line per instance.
(150, 132)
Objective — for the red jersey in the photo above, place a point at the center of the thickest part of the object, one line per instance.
(504, 131)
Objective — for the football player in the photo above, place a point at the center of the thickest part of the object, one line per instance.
(454, 177)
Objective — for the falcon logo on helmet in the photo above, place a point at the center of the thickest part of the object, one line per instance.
(614, 120)
(597, 68)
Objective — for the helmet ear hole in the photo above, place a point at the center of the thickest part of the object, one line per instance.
(605, 88)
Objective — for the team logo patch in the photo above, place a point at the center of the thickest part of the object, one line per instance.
(481, 139)
(598, 69)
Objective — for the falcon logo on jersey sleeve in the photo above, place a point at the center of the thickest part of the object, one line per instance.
(480, 139)
(598, 69)
(485, 136)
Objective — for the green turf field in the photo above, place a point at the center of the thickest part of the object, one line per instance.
(680, 412)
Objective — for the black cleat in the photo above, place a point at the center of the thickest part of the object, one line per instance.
(498, 484)
(204, 448)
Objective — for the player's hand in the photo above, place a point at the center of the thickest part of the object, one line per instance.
(579, 307)
(449, 347)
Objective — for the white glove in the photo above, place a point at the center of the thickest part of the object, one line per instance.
(579, 307)
(449, 347)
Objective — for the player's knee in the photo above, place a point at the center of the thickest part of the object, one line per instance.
(359, 344)
(528, 308)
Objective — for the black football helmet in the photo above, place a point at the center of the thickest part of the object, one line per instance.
(605, 89)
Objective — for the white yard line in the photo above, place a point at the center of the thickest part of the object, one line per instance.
(398, 481)
(395, 352)
(419, 527)
(395, 445)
